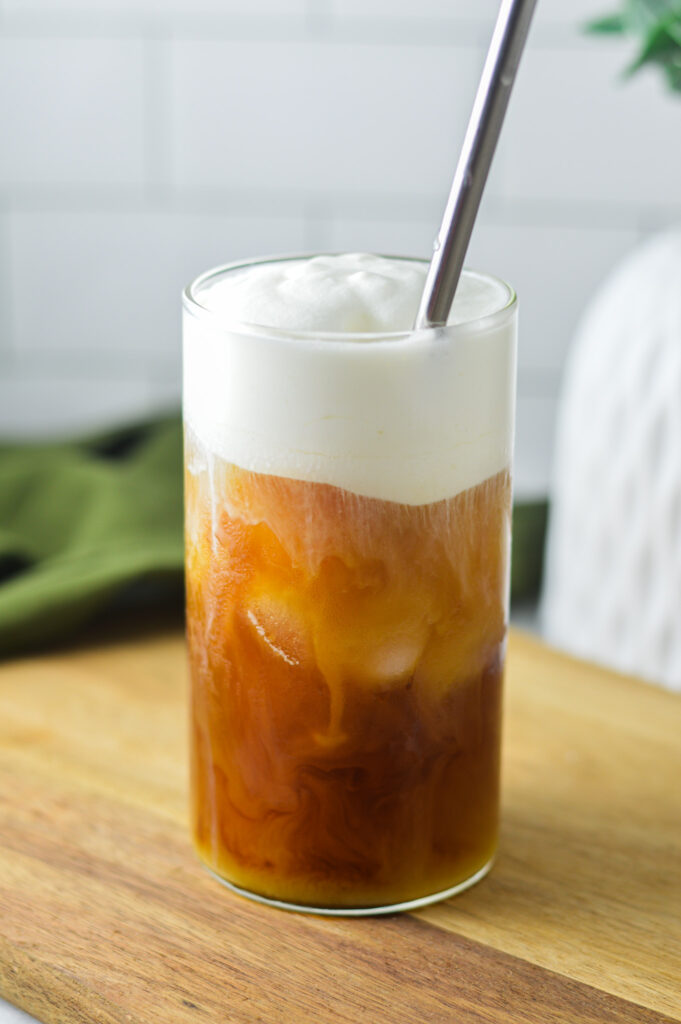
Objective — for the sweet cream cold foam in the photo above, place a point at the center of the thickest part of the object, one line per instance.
(308, 368)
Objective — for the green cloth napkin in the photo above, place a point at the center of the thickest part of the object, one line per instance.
(82, 523)
(530, 519)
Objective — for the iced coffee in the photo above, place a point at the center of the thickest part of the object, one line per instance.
(347, 537)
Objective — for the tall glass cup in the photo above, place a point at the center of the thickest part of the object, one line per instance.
(348, 503)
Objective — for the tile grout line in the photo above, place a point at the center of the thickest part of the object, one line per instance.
(164, 197)
(317, 24)
(156, 57)
(319, 17)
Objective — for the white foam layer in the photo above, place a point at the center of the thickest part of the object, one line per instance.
(413, 418)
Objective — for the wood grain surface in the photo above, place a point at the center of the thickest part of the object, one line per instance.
(106, 916)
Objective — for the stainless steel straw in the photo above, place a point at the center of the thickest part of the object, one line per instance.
(482, 134)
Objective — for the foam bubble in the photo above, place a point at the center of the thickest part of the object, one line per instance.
(411, 417)
(347, 293)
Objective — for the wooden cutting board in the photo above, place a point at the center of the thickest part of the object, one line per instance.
(106, 916)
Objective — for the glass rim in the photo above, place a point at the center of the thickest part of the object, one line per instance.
(193, 306)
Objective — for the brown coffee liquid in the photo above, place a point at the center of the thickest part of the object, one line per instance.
(346, 657)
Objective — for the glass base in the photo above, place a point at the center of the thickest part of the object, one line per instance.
(392, 908)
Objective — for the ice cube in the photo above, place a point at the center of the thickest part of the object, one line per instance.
(394, 660)
(281, 627)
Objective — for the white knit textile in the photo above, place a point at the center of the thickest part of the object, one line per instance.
(612, 590)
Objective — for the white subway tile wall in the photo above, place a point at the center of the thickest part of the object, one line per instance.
(392, 235)
(115, 278)
(459, 10)
(319, 119)
(573, 132)
(534, 441)
(549, 12)
(145, 140)
(158, 8)
(71, 111)
(577, 258)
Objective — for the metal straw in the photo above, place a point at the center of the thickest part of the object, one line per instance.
(482, 134)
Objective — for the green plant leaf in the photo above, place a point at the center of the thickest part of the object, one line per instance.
(642, 16)
(610, 25)
(657, 26)
(659, 47)
(674, 78)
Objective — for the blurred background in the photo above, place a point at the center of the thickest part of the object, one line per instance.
(146, 140)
